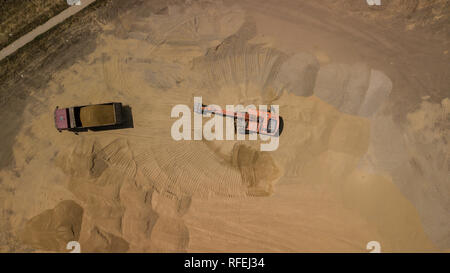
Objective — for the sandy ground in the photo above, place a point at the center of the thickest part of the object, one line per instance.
(363, 155)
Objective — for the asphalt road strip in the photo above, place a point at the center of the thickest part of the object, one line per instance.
(30, 36)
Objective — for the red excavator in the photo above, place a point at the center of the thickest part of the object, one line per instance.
(249, 122)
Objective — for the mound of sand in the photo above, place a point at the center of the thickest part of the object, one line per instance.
(54, 228)
(104, 242)
(418, 162)
(353, 89)
(298, 74)
(141, 190)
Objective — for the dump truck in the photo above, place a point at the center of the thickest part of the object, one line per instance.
(88, 116)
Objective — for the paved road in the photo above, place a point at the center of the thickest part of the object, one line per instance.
(43, 28)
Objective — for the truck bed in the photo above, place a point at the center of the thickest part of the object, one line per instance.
(97, 115)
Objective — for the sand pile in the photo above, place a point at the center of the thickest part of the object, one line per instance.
(298, 74)
(418, 162)
(140, 190)
(54, 228)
